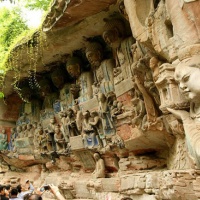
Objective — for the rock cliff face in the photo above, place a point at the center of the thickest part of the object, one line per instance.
(110, 107)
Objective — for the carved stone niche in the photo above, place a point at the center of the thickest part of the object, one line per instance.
(138, 12)
(24, 145)
(170, 95)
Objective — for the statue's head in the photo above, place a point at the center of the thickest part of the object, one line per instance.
(58, 78)
(52, 120)
(45, 87)
(96, 156)
(73, 67)
(57, 128)
(86, 114)
(187, 75)
(19, 129)
(101, 97)
(3, 131)
(114, 31)
(29, 126)
(70, 112)
(94, 54)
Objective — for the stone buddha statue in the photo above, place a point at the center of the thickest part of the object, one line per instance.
(114, 35)
(99, 171)
(58, 77)
(3, 140)
(49, 97)
(82, 89)
(102, 69)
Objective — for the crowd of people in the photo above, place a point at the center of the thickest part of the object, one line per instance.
(27, 192)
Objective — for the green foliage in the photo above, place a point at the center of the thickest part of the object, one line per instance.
(37, 5)
(11, 26)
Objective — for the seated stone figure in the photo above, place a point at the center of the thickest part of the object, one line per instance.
(83, 87)
(3, 140)
(102, 69)
(99, 171)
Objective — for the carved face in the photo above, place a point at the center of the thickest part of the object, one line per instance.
(188, 79)
(94, 58)
(52, 121)
(74, 70)
(57, 129)
(121, 58)
(96, 156)
(110, 37)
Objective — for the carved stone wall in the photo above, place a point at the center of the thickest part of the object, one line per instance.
(119, 115)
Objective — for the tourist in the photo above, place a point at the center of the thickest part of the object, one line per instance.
(22, 190)
(2, 193)
(13, 194)
(7, 190)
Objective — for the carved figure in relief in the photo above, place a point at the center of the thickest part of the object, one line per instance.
(49, 97)
(96, 123)
(116, 109)
(71, 123)
(58, 77)
(29, 131)
(102, 69)
(89, 134)
(187, 75)
(59, 139)
(23, 119)
(79, 115)
(139, 113)
(3, 140)
(83, 86)
(23, 131)
(154, 64)
(99, 171)
(63, 128)
(104, 113)
(143, 66)
(42, 140)
(114, 36)
(51, 131)
(18, 131)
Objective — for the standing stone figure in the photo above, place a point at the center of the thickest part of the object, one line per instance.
(59, 140)
(105, 114)
(71, 123)
(89, 134)
(51, 132)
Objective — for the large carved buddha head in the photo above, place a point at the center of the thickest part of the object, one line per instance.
(58, 78)
(73, 67)
(187, 74)
(113, 32)
(94, 54)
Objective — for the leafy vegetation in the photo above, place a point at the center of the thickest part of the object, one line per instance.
(39, 4)
(13, 29)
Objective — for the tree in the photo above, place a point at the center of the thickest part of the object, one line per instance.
(37, 4)
(11, 26)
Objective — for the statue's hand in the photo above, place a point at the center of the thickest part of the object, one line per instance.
(179, 114)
